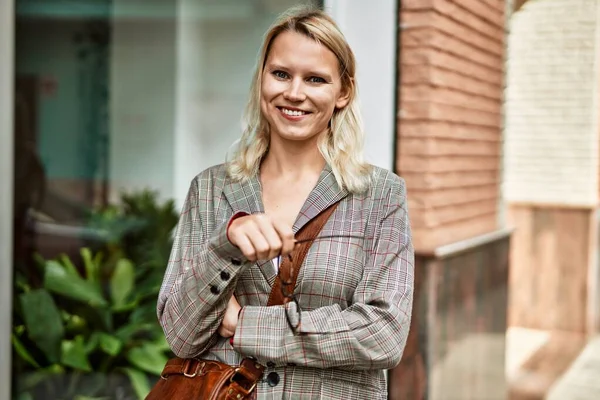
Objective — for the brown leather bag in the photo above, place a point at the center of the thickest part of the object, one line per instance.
(197, 379)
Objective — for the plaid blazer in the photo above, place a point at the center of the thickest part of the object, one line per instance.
(355, 292)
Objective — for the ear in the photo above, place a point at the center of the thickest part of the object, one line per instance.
(345, 94)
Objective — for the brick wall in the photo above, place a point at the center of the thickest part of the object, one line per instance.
(551, 104)
(449, 122)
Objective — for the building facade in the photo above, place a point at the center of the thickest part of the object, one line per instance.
(431, 79)
(449, 150)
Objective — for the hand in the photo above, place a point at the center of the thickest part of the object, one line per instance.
(259, 237)
(230, 320)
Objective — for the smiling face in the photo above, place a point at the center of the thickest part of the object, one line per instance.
(301, 87)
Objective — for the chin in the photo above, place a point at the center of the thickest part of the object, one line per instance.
(297, 136)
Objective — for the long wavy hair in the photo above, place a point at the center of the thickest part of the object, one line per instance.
(342, 144)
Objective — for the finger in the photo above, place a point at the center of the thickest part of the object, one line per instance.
(258, 241)
(261, 246)
(286, 234)
(233, 302)
(233, 232)
(245, 245)
(223, 332)
(266, 226)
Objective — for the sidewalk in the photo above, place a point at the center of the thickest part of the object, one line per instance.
(582, 379)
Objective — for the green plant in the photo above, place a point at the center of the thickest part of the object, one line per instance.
(92, 321)
(82, 321)
(140, 229)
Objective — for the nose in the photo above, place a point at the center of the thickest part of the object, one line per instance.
(295, 91)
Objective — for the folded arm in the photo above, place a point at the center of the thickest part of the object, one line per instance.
(369, 334)
(199, 280)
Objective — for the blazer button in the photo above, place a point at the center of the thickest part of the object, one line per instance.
(273, 379)
(271, 364)
(214, 290)
(225, 275)
(235, 261)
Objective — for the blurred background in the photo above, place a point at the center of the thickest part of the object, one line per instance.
(487, 108)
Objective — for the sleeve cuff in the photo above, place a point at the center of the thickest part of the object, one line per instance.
(223, 247)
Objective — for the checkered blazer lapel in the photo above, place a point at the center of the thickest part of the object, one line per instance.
(247, 197)
(326, 192)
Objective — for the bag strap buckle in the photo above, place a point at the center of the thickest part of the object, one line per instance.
(188, 366)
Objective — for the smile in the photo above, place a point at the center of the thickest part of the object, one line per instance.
(292, 113)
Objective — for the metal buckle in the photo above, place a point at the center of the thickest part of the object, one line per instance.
(235, 371)
(186, 366)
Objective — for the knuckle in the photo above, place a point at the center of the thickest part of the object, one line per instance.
(262, 248)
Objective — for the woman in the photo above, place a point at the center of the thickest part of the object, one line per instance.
(300, 152)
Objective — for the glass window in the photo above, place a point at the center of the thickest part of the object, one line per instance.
(118, 104)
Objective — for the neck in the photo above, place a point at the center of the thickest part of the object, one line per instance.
(291, 160)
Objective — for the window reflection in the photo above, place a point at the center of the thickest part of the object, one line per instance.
(118, 105)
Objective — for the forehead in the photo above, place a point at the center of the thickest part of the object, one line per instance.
(297, 51)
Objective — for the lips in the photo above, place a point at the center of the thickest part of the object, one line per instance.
(292, 112)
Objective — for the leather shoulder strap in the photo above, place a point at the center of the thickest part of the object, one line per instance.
(289, 270)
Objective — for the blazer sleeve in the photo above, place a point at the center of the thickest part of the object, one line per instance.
(200, 277)
(371, 333)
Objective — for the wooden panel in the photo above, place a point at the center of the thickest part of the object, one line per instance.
(455, 348)
(550, 260)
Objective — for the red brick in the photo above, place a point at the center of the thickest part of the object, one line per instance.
(478, 8)
(441, 95)
(445, 130)
(441, 112)
(450, 117)
(448, 180)
(468, 34)
(455, 196)
(431, 37)
(436, 164)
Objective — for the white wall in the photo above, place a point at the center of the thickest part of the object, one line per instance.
(371, 30)
(142, 110)
(216, 57)
(551, 133)
(178, 91)
(6, 178)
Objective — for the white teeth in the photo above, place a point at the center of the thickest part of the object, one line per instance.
(293, 113)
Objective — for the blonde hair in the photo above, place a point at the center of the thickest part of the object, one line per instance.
(342, 145)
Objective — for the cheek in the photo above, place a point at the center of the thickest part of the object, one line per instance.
(326, 104)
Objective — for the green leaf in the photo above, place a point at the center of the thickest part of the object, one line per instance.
(25, 396)
(127, 332)
(147, 358)
(73, 354)
(22, 351)
(122, 282)
(69, 267)
(30, 380)
(139, 381)
(80, 397)
(43, 322)
(161, 343)
(93, 342)
(110, 344)
(92, 266)
(144, 313)
(57, 280)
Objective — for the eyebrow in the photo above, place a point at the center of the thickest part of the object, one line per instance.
(324, 75)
